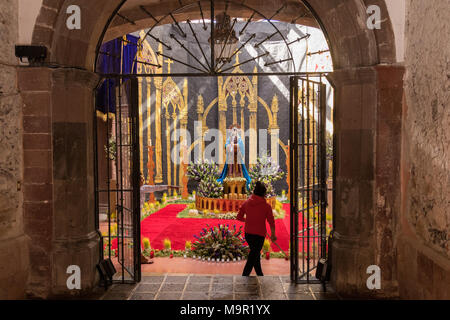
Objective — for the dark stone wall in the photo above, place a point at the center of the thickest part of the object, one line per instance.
(14, 262)
(424, 230)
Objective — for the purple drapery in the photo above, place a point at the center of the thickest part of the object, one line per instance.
(116, 56)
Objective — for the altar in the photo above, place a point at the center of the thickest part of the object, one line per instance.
(235, 183)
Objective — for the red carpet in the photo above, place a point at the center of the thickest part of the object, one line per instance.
(165, 224)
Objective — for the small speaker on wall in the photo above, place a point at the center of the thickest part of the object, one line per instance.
(107, 271)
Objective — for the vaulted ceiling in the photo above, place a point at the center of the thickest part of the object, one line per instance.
(136, 15)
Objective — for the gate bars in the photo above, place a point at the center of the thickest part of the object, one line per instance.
(308, 178)
(117, 180)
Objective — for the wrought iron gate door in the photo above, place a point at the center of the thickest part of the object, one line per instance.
(117, 179)
(308, 177)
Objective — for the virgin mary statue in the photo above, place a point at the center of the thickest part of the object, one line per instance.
(235, 157)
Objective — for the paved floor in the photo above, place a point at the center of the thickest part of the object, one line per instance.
(217, 287)
(274, 266)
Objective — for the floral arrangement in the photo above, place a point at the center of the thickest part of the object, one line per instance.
(167, 244)
(209, 187)
(202, 169)
(111, 149)
(149, 208)
(266, 248)
(266, 171)
(220, 243)
(227, 215)
(206, 173)
(146, 246)
(107, 241)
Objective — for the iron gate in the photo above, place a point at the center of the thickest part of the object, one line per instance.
(308, 177)
(117, 177)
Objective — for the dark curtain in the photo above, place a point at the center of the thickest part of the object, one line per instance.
(111, 60)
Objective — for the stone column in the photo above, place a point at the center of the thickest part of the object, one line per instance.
(388, 159)
(59, 208)
(362, 236)
(75, 239)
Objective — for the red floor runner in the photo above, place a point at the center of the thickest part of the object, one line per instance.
(165, 224)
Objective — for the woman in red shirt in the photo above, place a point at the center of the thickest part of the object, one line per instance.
(256, 211)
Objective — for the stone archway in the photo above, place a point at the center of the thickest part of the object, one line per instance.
(369, 89)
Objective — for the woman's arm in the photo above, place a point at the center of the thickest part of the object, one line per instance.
(271, 219)
(241, 214)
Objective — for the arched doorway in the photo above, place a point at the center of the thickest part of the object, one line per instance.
(357, 53)
(190, 51)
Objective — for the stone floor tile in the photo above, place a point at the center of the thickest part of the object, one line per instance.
(153, 279)
(143, 296)
(168, 296)
(300, 296)
(176, 279)
(246, 288)
(245, 280)
(224, 287)
(244, 296)
(274, 296)
(299, 288)
(195, 296)
(269, 279)
(172, 287)
(223, 279)
(272, 288)
(148, 287)
(316, 287)
(200, 279)
(197, 287)
(221, 296)
(122, 288)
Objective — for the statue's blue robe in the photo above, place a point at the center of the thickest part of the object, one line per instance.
(223, 175)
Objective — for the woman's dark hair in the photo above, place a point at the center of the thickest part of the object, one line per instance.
(260, 189)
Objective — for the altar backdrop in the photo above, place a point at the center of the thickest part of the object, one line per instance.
(252, 102)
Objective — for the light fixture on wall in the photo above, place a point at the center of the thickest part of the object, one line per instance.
(225, 40)
(34, 54)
